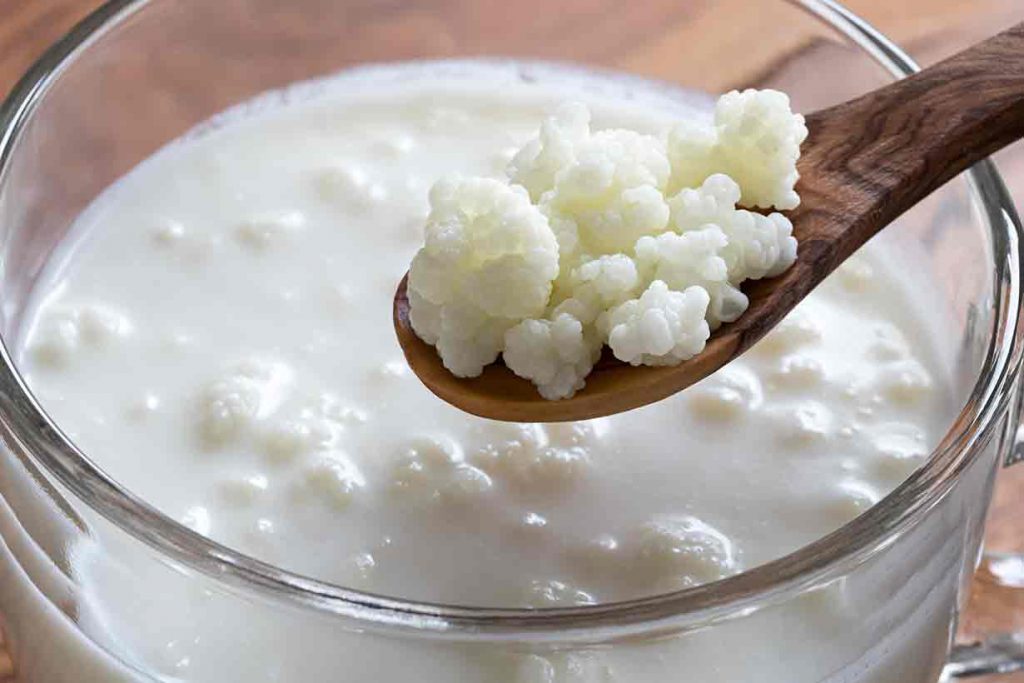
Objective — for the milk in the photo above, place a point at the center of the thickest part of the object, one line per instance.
(216, 334)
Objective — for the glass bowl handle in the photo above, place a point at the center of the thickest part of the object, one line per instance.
(1003, 573)
(1002, 653)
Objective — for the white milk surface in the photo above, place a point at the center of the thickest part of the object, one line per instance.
(218, 338)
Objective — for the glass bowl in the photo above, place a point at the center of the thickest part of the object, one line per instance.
(876, 601)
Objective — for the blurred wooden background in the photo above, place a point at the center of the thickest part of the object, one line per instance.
(929, 29)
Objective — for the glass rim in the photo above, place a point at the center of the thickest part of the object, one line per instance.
(34, 438)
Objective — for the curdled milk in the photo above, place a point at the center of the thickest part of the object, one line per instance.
(217, 336)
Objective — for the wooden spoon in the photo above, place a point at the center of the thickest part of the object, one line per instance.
(864, 163)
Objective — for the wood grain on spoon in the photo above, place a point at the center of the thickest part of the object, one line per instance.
(865, 162)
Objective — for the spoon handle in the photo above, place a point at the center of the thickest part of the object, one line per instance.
(870, 159)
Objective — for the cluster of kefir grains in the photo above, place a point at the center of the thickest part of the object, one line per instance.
(607, 237)
(72, 328)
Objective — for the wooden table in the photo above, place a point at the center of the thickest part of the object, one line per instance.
(929, 29)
